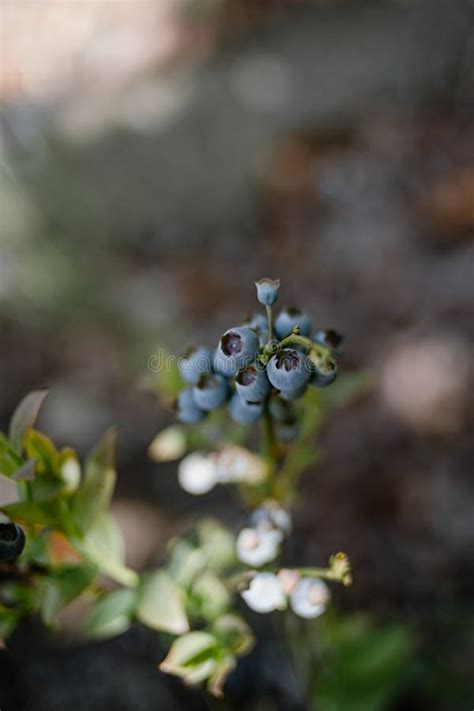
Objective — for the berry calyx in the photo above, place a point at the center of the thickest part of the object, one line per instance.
(237, 348)
(267, 291)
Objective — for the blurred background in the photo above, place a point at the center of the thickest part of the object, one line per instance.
(157, 157)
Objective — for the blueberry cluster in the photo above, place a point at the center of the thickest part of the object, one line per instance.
(260, 366)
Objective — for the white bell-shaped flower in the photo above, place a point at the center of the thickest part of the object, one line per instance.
(197, 473)
(310, 597)
(257, 546)
(265, 594)
(281, 519)
(272, 515)
(237, 464)
(289, 580)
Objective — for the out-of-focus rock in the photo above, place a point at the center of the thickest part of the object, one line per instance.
(145, 531)
(426, 383)
(448, 209)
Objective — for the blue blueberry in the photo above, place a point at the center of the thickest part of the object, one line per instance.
(259, 323)
(194, 363)
(289, 370)
(287, 427)
(294, 393)
(237, 348)
(187, 410)
(330, 339)
(288, 319)
(281, 410)
(211, 391)
(252, 383)
(324, 374)
(244, 412)
(287, 431)
(12, 541)
(267, 291)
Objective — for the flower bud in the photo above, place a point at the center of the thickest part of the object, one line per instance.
(237, 464)
(197, 473)
(257, 546)
(310, 597)
(265, 594)
(289, 580)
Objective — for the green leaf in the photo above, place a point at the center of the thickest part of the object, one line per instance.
(186, 561)
(217, 544)
(96, 489)
(20, 597)
(103, 545)
(40, 448)
(112, 614)
(198, 656)
(365, 665)
(192, 657)
(10, 460)
(216, 682)
(8, 621)
(46, 513)
(35, 552)
(209, 596)
(45, 488)
(9, 493)
(161, 604)
(234, 633)
(63, 584)
(26, 472)
(24, 417)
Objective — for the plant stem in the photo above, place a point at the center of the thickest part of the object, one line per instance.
(270, 323)
(326, 573)
(296, 339)
(269, 447)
